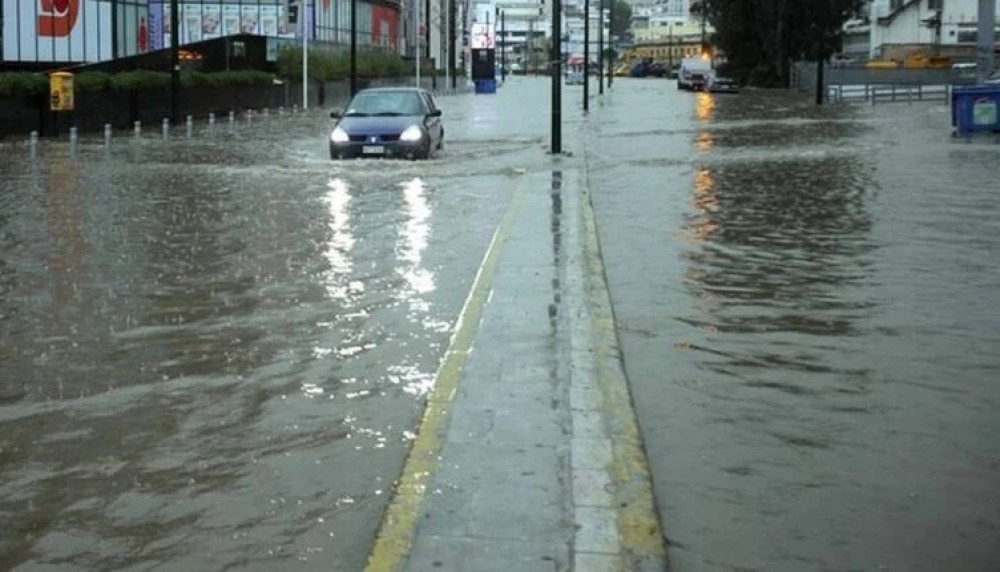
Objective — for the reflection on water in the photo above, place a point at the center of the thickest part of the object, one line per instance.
(705, 106)
(413, 242)
(812, 342)
(341, 241)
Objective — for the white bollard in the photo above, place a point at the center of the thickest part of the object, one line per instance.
(166, 129)
(211, 122)
(281, 111)
(189, 124)
(72, 141)
(295, 109)
(266, 114)
(232, 120)
(33, 144)
(249, 116)
(107, 135)
(137, 129)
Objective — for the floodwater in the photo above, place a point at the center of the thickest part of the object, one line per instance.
(213, 352)
(808, 301)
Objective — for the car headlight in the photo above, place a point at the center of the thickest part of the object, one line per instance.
(339, 135)
(411, 133)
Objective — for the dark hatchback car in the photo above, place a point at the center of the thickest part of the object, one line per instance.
(388, 122)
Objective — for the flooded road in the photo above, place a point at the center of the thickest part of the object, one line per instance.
(808, 304)
(213, 352)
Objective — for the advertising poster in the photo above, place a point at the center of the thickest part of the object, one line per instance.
(166, 25)
(211, 21)
(156, 26)
(249, 21)
(133, 30)
(191, 24)
(230, 19)
(50, 31)
(268, 20)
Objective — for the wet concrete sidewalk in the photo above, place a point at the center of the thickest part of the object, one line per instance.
(528, 456)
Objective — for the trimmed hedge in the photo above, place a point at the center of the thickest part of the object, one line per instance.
(335, 65)
(15, 84)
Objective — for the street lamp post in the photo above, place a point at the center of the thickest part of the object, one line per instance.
(427, 31)
(451, 44)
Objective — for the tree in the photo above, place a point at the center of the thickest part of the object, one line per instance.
(761, 37)
(621, 13)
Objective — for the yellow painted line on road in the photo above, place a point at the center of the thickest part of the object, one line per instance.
(398, 526)
(640, 535)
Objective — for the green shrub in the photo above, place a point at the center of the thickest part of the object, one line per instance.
(141, 79)
(20, 84)
(92, 81)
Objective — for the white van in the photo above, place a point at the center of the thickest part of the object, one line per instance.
(694, 74)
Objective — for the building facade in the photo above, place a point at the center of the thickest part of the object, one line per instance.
(86, 31)
(931, 24)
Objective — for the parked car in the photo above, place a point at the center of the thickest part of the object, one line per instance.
(574, 78)
(388, 122)
(723, 85)
(994, 78)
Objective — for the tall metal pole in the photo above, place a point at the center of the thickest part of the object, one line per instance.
(600, 49)
(503, 46)
(586, 54)
(611, 42)
(451, 44)
(305, 55)
(354, 47)
(175, 63)
(427, 32)
(416, 19)
(986, 38)
(556, 69)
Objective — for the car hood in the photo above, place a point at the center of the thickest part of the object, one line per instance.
(378, 125)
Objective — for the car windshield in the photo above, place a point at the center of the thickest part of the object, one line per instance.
(386, 103)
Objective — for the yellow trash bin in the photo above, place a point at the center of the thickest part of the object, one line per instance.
(61, 91)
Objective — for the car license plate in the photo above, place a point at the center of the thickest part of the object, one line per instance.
(373, 149)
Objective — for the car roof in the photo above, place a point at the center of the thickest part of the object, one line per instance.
(396, 89)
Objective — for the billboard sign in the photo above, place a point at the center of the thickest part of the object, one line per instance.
(208, 20)
(56, 30)
(482, 37)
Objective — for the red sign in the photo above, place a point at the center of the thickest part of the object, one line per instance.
(57, 18)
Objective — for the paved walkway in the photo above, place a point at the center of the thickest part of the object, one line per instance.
(528, 456)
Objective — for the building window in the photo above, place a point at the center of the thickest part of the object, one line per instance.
(935, 4)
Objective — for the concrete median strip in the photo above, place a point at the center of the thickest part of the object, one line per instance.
(399, 523)
(528, 455)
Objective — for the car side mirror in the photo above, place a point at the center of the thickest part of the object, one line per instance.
(435, 113)
(335, 114)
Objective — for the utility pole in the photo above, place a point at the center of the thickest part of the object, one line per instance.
(354, 47)
(704, 25)
(556, 71)
(175, 63)
(586, 53)
(600, 49)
